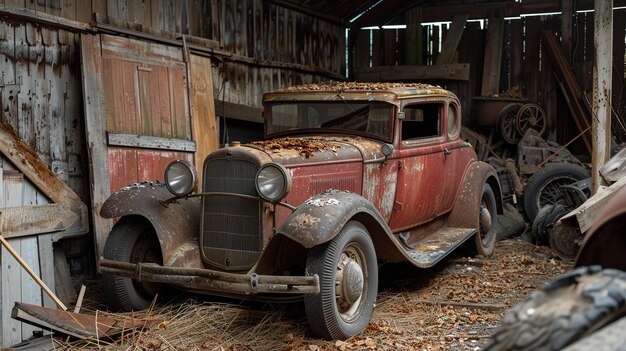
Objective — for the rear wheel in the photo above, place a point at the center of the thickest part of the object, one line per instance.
(563, 311)
(131, 241)
(485, 238)
(348, 274)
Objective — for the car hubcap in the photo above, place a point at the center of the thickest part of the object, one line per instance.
(485, 219)
(349, 283)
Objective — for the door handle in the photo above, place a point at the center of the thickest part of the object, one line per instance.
(446, 151)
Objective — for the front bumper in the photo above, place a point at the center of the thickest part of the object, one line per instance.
(210, 280)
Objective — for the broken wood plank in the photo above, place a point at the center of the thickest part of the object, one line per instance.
(23, 157)
(36, 219)
(78, 325)
(586, 214)
(450, 45)
(459, 71)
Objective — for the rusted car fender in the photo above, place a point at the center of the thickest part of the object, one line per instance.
(467, 200)
(605, 242)
(321, 218)
(175, 224)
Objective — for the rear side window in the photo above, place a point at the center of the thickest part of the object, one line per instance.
(421, 121)
(453, 116)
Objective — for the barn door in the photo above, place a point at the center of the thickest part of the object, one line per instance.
(138, 114)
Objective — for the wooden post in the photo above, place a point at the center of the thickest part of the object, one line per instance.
(414, 47)
(567, 19)
(602, 88)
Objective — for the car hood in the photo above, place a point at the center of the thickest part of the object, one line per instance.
(294, 151)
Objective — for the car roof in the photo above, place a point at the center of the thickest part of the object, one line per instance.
(356, 91)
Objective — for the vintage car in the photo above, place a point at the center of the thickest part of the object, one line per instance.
(350, 175)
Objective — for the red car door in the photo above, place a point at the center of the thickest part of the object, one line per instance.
(420, 195)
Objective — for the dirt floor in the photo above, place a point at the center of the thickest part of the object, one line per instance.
(454, 306)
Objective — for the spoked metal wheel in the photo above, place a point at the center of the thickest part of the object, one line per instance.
(505, 126)
(530, 116)
(348, 274)
(544, 187)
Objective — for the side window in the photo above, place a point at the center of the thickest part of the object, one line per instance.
(421, 121)
(453, 116)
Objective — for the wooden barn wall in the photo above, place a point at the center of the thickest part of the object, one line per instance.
(269, 47)
(41, 102)
(288, 48)
(525, 64)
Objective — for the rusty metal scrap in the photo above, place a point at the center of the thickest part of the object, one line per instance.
(77, 324)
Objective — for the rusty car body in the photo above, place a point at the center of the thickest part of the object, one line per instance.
(350, 175)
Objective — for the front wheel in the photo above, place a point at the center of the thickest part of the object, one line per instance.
(348, 274)
(134, 241)
(563, 311)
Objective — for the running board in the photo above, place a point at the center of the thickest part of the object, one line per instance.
(434, 247)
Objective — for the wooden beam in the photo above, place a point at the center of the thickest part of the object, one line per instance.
(27, 161)
(36, 219)
(493, 55)
(414, 42)
(20, 13)
(150, 142)
(96, 136)
(567, 21)
(453, 39)
(442, 13)
(569, 86)
(602, 88)
(238, 111)
(458, 71)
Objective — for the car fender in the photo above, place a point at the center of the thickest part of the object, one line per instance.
(175, 223)
(470, 191)
(321, 218)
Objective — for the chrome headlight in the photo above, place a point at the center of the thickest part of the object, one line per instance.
(273, 182)
(180, 177)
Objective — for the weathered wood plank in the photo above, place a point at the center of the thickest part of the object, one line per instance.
(453, 37)
(46, 266)
(405, 73)
(202, 110)
(151, 142)
(96, 138)
(22, 221)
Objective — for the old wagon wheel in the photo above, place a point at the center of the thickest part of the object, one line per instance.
(530, 116)
(505, 126)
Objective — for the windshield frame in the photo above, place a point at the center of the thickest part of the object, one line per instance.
(393, 108)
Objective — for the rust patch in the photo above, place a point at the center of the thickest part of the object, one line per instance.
(304, 147)
(305, 220)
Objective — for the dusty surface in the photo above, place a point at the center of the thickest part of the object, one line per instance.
(454, 306)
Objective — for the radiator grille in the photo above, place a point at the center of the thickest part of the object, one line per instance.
(231, 231)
